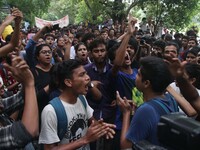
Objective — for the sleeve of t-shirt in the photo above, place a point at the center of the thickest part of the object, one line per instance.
(141, 124)
(48, 134)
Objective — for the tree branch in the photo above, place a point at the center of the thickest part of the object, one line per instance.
(133, 4)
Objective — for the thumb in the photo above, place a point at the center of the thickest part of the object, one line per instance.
(92, 124)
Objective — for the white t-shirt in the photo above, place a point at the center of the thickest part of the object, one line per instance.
(177, 89)
(77, 127)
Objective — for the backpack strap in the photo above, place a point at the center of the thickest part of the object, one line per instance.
(83, 100)
(174, 103)
(159, 106)
(62, 121)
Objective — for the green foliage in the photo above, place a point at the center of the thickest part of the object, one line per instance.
(174, 14)
(59, 9)
(95, 14)
(30, 8)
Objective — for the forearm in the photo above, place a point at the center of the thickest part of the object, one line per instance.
(67, 51)
(124, 143)
(16, 35)
(183, 103)
(30, 114)
(2, 27)
(38, 35)
(121, 51)
(121, 37)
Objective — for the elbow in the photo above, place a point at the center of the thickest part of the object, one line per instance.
(34, 132)
(124, 144)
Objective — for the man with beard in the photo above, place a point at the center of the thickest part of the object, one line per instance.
(98, 72)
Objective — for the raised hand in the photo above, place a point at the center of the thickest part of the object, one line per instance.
(176, 67)
(131, 24)
(20, 71)
(17, 14)
(124, 104)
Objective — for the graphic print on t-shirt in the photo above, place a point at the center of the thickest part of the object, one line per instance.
(77, 127)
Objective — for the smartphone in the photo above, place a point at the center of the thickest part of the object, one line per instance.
(54, 27)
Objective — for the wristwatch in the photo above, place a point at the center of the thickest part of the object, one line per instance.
(90, 85)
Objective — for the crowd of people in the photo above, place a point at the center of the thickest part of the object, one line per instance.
(83, 88)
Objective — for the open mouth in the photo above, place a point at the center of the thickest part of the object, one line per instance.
(127, 57)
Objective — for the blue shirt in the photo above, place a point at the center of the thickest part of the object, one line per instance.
(145, 120)
(124, 83)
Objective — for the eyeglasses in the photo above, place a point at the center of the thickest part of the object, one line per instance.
(46, 52)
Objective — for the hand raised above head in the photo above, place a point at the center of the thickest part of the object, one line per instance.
(131, 24)
(17, 14)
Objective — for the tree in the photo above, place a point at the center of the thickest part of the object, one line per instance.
(30, 8)
(175, 14)
(58, 9)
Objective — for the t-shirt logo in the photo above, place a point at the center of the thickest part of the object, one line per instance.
(77, 127)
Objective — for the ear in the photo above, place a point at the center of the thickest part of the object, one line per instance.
(68, 82)
(193, 80)
(147, 83)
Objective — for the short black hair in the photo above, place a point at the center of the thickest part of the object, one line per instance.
(49, 34)
(157, 72)
(160, 43)
(192, 39)
(87, 36)
(65, 71)
(172, 44)
(193, 51)
(133, 42)
(96, 43)
(193, 71)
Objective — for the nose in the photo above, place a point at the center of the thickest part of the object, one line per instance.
(87, 78)
(100, 53)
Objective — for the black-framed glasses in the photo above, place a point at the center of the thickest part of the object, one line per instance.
(46, 52)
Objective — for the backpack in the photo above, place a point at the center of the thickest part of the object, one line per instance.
(62, 120)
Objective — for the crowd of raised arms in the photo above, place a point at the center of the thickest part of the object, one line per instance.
(86, 88)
